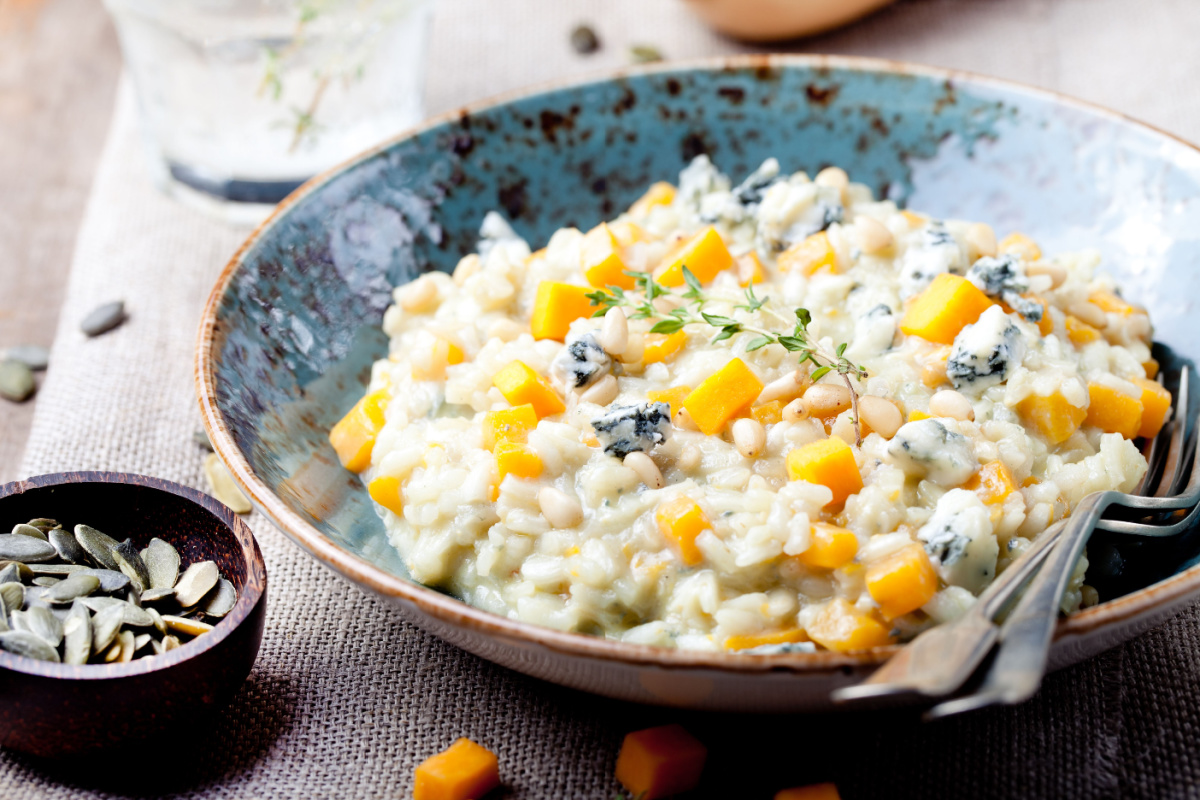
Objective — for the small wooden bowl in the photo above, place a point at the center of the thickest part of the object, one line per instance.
(52, 710)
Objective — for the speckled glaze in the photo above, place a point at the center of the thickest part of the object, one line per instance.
(293, 323)
(56, 710)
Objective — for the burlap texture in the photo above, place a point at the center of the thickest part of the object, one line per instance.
(345, 700)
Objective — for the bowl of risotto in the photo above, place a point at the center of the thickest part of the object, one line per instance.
(710, 385)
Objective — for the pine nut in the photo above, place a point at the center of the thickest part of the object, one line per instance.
(602, 392)
(1090, 313)
(646, 469)
(1056, 272)
(833, 177)
(683, 420)
(786, 388)
(467, 266)
(880, 415)
(505, 329)
(614, 333)
(419, 294)
(796, 411)
(689, 458)
(873, 235)
(559, 509)
(982, 239)
(749, 437)
(827, 399)
(949, 403)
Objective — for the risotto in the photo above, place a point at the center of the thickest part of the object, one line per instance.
(776, 415)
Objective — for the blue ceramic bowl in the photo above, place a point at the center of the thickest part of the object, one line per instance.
(293, 323)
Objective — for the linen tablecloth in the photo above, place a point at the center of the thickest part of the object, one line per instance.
(345, 699)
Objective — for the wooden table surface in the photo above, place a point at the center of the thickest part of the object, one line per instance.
(59, 64)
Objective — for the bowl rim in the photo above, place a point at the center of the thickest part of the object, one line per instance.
(248, 598)
(457, 613)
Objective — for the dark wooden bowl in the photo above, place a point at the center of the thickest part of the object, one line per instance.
(51, 710)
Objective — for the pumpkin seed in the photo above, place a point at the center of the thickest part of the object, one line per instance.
(644, 54)
(34, 356)
(220, 600)
(162, 562)
(18, 621)
(130, 563)
(16, 381)
(136, 616)
(72, 588)
(223, 486)
(56, 570)
(25, 549)
(99, 603)
(104, 318)
(24, 643)
(159, 625)
(156, 595)
(191, 627)
(105, 626)
(45, 625)
(21, 529)
(196, 582)
(44, 524)
(46, 580)
(68, 549)
(15, 571)
(98, 545)
(141, 640)
(77, 633)
(157, 647)
(113, 653)
(3, 618)
(127, 640)
(170, 643)
(110, 580)
(13, 594)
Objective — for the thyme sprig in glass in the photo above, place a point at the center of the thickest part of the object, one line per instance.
(691, 312)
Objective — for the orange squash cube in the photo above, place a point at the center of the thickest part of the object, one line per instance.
(600, 259)
(673, 397)
(556, 306)
(514, 458)
(704, 256)
(464, 771)
(353, 436)
(1156, 402)
(947, 305)
(818, 791)
(903, 581)
(831, 547)
(843, 628)
(680, 521)
(659, 194)
(768, 413)
(520, 385)
(828, 462)
(745, 642)
(750, 269)
(658, 762)
(1018, 244)
(722, 396)
(1113, 411)
(662, 347)
(1109, 303)
(1079, 332)
(917, 414)
(508, 425)
(385, 490)
(1052, 415)
(1045, 324)
(814, 253)
(993, 483)
(1151, 368)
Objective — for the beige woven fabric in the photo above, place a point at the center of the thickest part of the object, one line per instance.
(345, 700)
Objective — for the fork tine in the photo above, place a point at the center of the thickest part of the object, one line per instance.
(1176, 462)
(1154, 458)
(1189, 499)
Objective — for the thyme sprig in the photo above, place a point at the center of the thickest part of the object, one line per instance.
(691, 311)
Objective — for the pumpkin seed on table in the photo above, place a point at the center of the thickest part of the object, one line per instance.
(162, 562)
(220, 480)
(34, 356)
(16, 381)
(645, 54)
(25, 549)
(97, 544)
(103, 318)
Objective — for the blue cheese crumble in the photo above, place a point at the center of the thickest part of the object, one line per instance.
(960, 542)
(1004, 278)
(626, 429)
(581, 362)
(934, 252)
(934, 449)
(985, 353)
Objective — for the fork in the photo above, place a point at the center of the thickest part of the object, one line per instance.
(942, 659)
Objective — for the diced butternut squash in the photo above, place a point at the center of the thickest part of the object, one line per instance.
(673, 397)
(680, 521)
(659, 194)
(768, 413)
(992, 482)
(464, 771)
(514, 458)
(663, 347)
(806, 257)
(947, 305)
(444, 353)
(600, 259)
(508, 425)
(1109, 303)
(789, 636)
(1018, 244)
(556, 306)
(1053, 416)
(841, 627)
(831, 547)
(353, 437)
(1156, 401)
(1079, 332)
(704, 255)
(722, 396)
(914, 219)
(1113, 411)
(750, 269)
(659, 762)
(902, 581)
(917, 414)
(1151, 368)
(818, 791)
(628, 233)
(828, 462)
(385, 490)
(520, 385)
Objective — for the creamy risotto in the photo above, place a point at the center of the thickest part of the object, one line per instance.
(775, 415)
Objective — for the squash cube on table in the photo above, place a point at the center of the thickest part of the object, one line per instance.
(600, 259)
(842, 628)
(556, 306)
(680, 521)
(828, 462)
(1113, 411)
(947, 305)
(514, 458)
(353, 437)
(673, 397)
(806, 257)
(1052, 415)
(722, 396)
(704, 255)
(464, 771)
(508, 425)
(659, 762)
(520, 384)
(385, 490)
(818, 791)
(902, 581)
(1156, 402)
(661, 347)
(831, 547)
